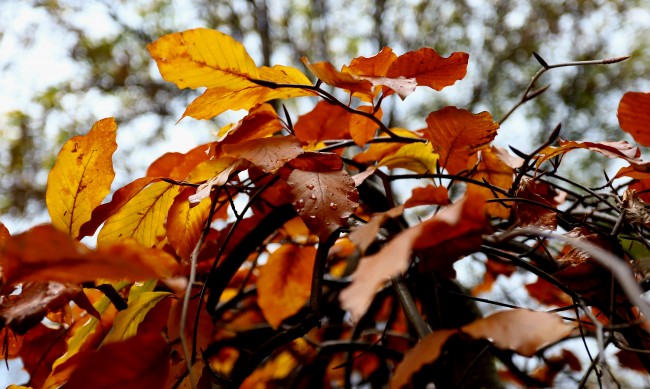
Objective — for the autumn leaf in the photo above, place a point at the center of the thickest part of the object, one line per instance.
(10, 343)
(325, 121)
(619, 149)
(126, 322)
(178, 165)
(262, 121)
(527, 214)
(81, 177)
(494, 171)
(417, 157)
(41, 347)
(634, 116)
(323, 199)
(428, 195)
(520, 330)
(47, 254)
(284, 282)
(121, 367)
(269, 154)
(375, 66)
(425, 352)
(327, 73)
(186, 222)
(363, 235)
(142, 217)
(546, 293)
(429, 68)
(456, 134)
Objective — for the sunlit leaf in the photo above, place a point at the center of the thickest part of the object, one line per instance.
(47, 254)
(492, 170)
(325, 121)
(185, 222)
(123, 367)
(81, 177)
(142, 217)
(429, 68)
(417, 157)
(178, 165)
(375, 66)
(324, 200)
(327, 73)
(363, 235)
(126, 322)
(262, 121)
(269, 154)
(619, 149)
(428, 195)
(456, 134)
(284, 282)
(634, 116)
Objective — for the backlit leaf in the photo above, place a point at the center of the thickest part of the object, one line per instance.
(634, 116)
(284, 282)
(520, 330)
(325, 121)
(47, 254)
(494, 171)
(123, 367)
(126, 322)
(324, 200)
(429, 68)
(178, 165)
(428, 195)
(81, 177)
(619, 149)
(185, 222)
(142, 217)
(269, 154)
(528, 214)
(261, 122)
(363, 235)
(417, 157)
(363, 129)
(327, 73)
(456, 134)
(375, 66)
(41, 347)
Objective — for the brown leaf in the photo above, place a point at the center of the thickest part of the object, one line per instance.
(41, 347)
(284, 282)
(634, 116)
(81, 177)
(428, 195)
(10, 343)
(527, 214)
(23, 311)
(47, 254)
(425, 352)
(635, 210)
(324, 200)
(123, 367)
(269, 154)
(546, 293)
(494, 171)
(519, 330)
(362, 236)
(429, 68)
(456, 134)
(619, 149)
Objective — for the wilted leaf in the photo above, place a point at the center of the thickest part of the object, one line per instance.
(126, 322)
(324, 200)
(428, 195)
(429, 68)
(47, 254)
(122, 367)
(636, 211)
(23, 311)
(634, 116)
(142, 217)
(527, 214)
(269, 154)
(81, 177)
(186, 222)
(520, 330)
(284, 282)
(620, 149)
(424, 352)
(456, 134)
(417, 157)
(546, 293)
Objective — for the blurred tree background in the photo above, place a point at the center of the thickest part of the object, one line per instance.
(103, 68)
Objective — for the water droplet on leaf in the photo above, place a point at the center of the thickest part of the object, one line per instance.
(310, 186)
(312, 196)
(299, 204)
(333, 206)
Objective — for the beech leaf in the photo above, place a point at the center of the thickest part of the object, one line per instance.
(186, 222)
(619, 149)
(429, 68)
(417, 157)
(126, 322)
(269, 154)
(81, 177)
(634, 116)
(284, 282)
(428, 195)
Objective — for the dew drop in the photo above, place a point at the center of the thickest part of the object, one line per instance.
(312, 197)
(299, 204)
(312, 216)
(333, 206)
(310, 186)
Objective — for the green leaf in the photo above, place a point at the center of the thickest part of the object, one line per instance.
(126, 322)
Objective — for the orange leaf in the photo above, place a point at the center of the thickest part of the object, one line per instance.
(261, 122)
(269, 154)
(520, 330)
(494, 171)
(4, 235)
(429, 68)
(375, 66)
(142, 217)
(284, 282)
(546, 293)
(429, 195)
(185, 223)
(456, 134)
(363, 235)
(47, 254)
(81, 177)
(418, 157)
(10, 343)
(327, 73)
(178, 165)
(324, 200)
(619, 149)
(425, 352)
(634, 116)
(326, 121)
(362, 129)
(527, 214)
(138, 362)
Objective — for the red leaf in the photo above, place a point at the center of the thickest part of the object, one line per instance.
(634, 116)
(139, 362)
(620, 149)
(546, 293)
(429, 195)
(456, 134)
(429, 68)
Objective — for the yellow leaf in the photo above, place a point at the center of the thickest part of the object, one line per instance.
(203, 58)
(125, 324)
(417, 157)
(185, 222)
(81, 177)
(284, 282)
(142, 217)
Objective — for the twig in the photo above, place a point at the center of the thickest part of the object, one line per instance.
(409, 307)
